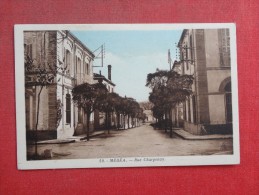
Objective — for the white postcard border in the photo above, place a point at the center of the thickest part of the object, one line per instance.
(119, 162)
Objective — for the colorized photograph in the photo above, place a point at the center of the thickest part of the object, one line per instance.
(125, 95)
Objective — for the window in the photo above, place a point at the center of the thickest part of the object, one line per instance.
(186, 52)
(182, 56)
(183, 70)
(68, 58)
(68, 108)
(75, 73)
(78, 70)
(78, 65)
(224, 47)
(187, 57)
(191, 49)
(87, 69)
(28, 50)
(84, 69)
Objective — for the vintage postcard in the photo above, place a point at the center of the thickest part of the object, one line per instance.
(126, 95)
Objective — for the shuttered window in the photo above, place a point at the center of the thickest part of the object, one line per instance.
(68, 108)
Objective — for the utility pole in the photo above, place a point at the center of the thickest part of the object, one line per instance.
(100, 54)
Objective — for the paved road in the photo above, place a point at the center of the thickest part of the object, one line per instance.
(140, 141)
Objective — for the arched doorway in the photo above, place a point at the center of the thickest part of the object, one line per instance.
(228, 102)
(225, 88)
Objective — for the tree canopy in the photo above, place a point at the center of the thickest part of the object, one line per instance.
(168, 89)
(89, 96)
(92, 97)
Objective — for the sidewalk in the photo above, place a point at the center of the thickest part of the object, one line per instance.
(188, 136)
(71, 139)
(94, 134)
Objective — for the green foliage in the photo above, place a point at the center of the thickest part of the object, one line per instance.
(109, 103)
(158, 111)
(89, 96)
(156, 79)
(168, 89)
(37, 74)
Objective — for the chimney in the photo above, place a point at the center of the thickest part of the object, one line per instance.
(100, 73)
(109, 72)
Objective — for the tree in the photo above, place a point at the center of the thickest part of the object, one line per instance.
(134, 109)
(109, 104)
(168, 89)
(119, 109)
(124, 110)
(158, 78)
(88, 97)
(141, 115)
(129, 108)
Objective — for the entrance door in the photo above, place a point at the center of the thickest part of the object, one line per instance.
(228, 98)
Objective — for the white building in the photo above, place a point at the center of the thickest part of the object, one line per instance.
(72, 63)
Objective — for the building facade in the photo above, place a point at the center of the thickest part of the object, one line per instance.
(71, 62)
(205, 54)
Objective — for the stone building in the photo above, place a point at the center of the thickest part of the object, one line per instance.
(70, 61)
(205, 54)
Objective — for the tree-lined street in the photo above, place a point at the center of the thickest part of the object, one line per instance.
(74, 101)
(136, 142)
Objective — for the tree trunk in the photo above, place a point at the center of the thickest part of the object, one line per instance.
(128, 122)
(88, 126)
(118, 120)
(37, 122)
(109, 121)
(124, 121)
(171, 122)
(165, 123)
(106, 121)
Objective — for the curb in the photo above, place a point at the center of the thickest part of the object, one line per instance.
(66, 141)
(94, 135)
(200, 137)
(54, 142)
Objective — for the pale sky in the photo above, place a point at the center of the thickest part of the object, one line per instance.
(132, 54)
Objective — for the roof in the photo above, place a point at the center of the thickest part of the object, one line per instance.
(182, 37)
(80, 43)
(99, 76)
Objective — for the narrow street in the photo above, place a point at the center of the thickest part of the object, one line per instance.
(141, 141)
